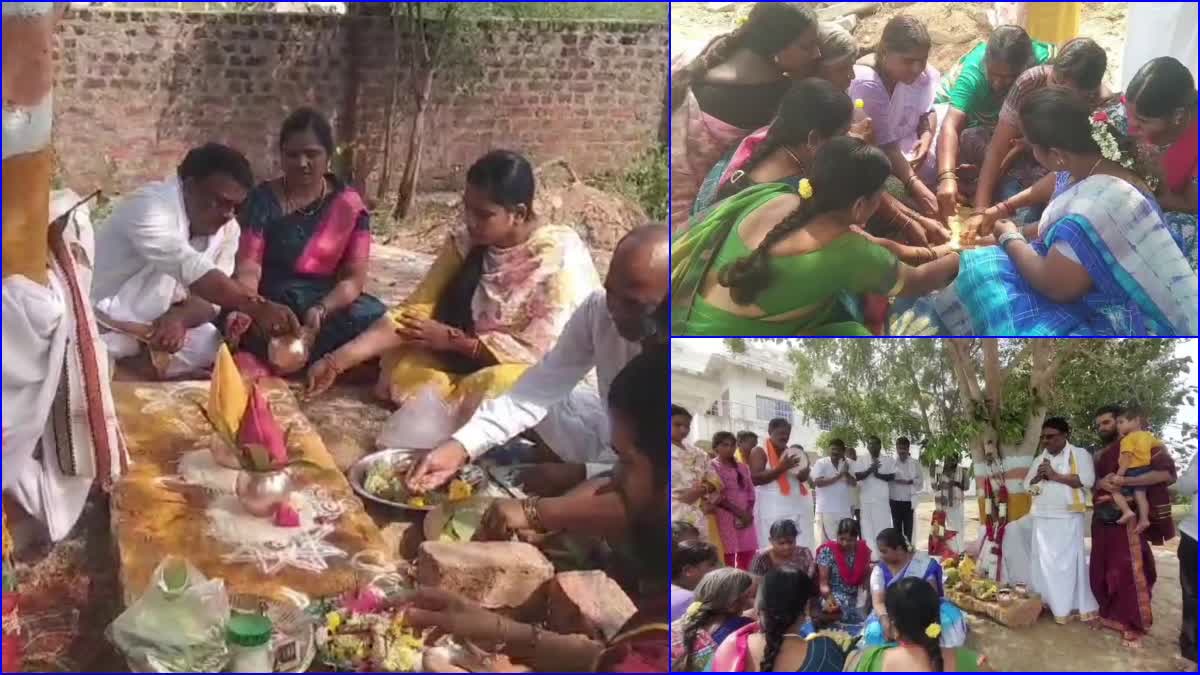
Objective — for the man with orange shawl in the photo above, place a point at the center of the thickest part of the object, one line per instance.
(781, 489)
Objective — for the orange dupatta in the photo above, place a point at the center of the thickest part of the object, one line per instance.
(785, 487)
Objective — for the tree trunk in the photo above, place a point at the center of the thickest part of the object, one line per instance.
(416, 145)
(348, 131)
(389, 116)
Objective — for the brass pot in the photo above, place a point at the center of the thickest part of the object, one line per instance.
(260, 492)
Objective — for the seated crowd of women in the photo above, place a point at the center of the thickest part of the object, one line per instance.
(816, 195)
(794, 613)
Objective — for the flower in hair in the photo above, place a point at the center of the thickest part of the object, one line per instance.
(693, 608)
(805, 189)
(1100, 116)
(933, 631)
(858, 104)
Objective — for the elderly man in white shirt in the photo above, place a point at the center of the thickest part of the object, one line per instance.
(1059, 480)
(908, 482)
(164, 260)
(605, 333)
(874, 472)
(833, 479)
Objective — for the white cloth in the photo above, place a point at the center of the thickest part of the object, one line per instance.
(42, 347)
(1059, 565)
(873, 488)
(1159, 29)
(956, 522)
(549, 390)
(1186, 485)
(1055, 500)
(833, 498)
(1017, 551)
(146, 259)
(909, 470)
(874, 517)
(771, 505)
(828, 524)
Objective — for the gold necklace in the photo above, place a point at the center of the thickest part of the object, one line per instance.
(799, 164)
(316, 205)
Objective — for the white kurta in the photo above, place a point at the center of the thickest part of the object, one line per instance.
(1058, 561)
(770, 505)
(834, 501)
(1155, 29)
(875, 513)
(146, 259)
(554, 398)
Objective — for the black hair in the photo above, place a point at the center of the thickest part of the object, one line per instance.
(875, 438)
(718, 594)
(642, 387)
(903, 440)
(722, 436)
(902, 34)
(782, 599)
(1055, 117)
(677, 410)
(1058, 423)
(747, 435)
(1082, 62)
(845, 169)
(810, 105)
(770, 27)
(1110, 409)
(213, 158)
(308, 119)
(506, 177)
(784, 528)
(914, 606)
(1161, 87)
(837, 443)
(849, 526)
(1011, 46)
(691, 553)
(776, 423)
(891, 538)
(681, 529)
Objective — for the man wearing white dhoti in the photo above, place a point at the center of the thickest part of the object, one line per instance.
(780, 475)
(833, 480)
(1059, 480)
(1155, 29)
(874, 471)
(163, 264)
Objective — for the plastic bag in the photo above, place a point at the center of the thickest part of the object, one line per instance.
(423, 423)
(178, 625)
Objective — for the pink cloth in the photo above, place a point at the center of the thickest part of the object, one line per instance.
(896, 116)
(698, 141)
(738, 489)
(744, 149)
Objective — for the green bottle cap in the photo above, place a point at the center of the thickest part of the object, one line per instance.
(249, 630)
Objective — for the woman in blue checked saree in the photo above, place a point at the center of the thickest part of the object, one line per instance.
(1101, 262)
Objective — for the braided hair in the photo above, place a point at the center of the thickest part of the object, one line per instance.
(845, 170)
(810, 106)
(770, 28)
(913, 606)
(783, 598)
(718, 594)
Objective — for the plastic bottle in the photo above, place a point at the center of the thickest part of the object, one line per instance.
(249, 638)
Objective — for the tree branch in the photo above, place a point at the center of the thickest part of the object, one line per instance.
(992, 377)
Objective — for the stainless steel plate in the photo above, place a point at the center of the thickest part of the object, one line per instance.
(400, 460)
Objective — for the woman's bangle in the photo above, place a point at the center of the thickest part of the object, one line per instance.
(946, 175)
(1002, 242)
(912, 178)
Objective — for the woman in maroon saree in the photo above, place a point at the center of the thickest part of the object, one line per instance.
(306, 241)
(1122, 565)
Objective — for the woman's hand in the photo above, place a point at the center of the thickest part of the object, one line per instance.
(864, 130)
(274, 319)
(1003, 227)
(450, 614)
(426, 333)
(923, 145)
(947, 197)
(894, 247)
(314, 317)
(1016, 148)
(935, 231)
(503, 518)
(236, 326)
(927, 204)
(321, 376)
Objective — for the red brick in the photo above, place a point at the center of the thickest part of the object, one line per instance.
(589, 603)
(494, 574)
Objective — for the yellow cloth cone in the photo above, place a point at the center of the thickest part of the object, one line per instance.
(227, 396)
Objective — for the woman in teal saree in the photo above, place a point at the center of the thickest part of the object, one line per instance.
(771, 260)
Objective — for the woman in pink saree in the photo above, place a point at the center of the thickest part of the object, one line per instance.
(732, 88)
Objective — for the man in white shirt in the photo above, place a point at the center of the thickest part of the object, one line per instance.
(1186, 486)
(908, 482)
(164, 259)
(605, 333)
(1059, 480)
(832, 478)
(873, 472)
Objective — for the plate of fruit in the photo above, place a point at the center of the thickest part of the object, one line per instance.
(380, 477)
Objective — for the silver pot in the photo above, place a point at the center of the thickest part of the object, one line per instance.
(260, 492)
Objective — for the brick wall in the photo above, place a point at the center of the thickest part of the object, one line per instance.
(136, 89)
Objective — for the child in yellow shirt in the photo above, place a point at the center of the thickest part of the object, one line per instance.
(1136, 445)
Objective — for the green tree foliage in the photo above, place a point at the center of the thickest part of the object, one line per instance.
(908, 387)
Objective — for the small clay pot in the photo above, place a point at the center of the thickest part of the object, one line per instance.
(260, 492)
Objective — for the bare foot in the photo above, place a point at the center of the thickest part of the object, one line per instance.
(1126, 517)
(1142, 526)
(1131, 639)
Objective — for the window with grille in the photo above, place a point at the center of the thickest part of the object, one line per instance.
(770, 408)
(775, 384)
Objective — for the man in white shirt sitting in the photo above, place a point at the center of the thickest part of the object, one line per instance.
(908, 482)
(873, 472)
(164, 259)
(605, 333)
(832, 478)
(1059, 480)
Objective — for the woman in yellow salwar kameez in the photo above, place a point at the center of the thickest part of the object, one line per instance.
(493, 303)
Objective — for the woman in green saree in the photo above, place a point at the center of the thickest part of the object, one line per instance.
(772, 260)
